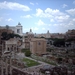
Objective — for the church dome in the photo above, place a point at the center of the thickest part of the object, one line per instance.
(30, 32)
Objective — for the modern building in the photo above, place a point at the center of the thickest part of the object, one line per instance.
(16, 29)
(38, 46)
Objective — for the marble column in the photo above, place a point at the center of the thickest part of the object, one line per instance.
(6, 47)
(2, 67)
(6, 73)
(10, 66)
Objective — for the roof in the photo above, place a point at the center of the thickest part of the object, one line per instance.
(38, 39)
(19, 24)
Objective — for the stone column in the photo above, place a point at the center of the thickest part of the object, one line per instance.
(6, 66)
(6, 47)
(2, 66)
(10, 66)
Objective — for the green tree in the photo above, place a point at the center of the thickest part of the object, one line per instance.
(27, 53)
(42, 37)
(7, 27)
(16, 35)
(59, 42)
(59, 60)
(4, 36)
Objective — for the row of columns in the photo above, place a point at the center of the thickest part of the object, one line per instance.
(5, 64)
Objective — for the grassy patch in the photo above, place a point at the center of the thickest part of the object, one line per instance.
(52, 63)
(24, 50)
(30, 62)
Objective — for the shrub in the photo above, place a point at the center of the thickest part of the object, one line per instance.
(27, 53)
(24, 50)
(59, 60)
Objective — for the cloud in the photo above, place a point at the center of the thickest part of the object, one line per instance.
(27, 16)
(36, 3)
(34, 28)
(73, 2)
(10, 19)
(31, 3)
(62, 18)
(26, 29)
(13, 6)
(52, 12)
(71, 11)
(48, 13)
(53, 15)
(1, 18)
(72, 22)
(40, 23)
(69, 24)
(64, 5)
(51, 20)
(43, 28)
(39, 13)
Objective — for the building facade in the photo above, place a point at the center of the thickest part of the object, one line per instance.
(28, 37)
(38, 46)
(70, 34)
(13, 44)
(45, 35)
(16, 29)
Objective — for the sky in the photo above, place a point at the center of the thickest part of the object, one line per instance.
(57, 16)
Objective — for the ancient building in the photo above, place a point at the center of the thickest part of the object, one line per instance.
(38, 46)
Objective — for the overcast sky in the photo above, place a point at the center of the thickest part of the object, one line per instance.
(39, 15)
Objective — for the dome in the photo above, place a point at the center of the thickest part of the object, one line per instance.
(48, 31)
(30, 32)
(19, 24)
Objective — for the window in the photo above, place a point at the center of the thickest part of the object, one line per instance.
(18, 30)
(39, 43)
(8, 48)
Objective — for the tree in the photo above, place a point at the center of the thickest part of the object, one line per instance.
(7, 27)
(6, 36)
(42, 37)
(27, 53)
(16, 35)
(59, 60)
(59, 42)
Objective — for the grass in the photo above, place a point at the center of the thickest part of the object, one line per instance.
(30, 62)
(46, 61)
(52, 63)
(24, 50)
